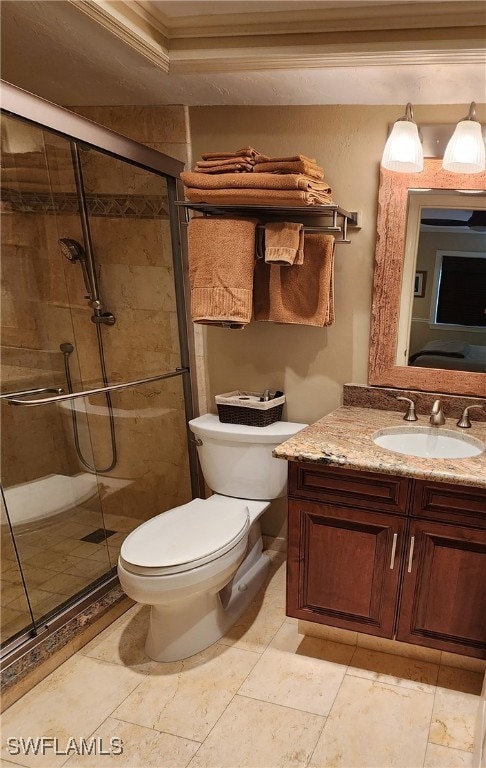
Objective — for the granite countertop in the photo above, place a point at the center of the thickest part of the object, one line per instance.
(343, 438)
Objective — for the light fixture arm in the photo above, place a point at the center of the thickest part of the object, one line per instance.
(471, 115)
(408, 113)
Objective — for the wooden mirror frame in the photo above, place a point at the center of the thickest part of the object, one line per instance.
(389, 260)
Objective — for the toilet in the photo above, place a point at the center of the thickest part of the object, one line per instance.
(200, 565)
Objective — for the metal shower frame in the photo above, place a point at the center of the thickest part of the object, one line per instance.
(25, 106)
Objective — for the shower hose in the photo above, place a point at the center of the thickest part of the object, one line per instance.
(67, 350)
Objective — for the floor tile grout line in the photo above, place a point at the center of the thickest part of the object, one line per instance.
(229, 702)
(157, 730)
(278, 704)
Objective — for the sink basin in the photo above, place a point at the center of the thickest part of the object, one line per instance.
(428, 442)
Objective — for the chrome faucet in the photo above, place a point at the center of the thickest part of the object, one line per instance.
(437, 415)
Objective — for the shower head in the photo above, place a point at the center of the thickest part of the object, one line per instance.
(74, 252)
(66, 348)
(71, 249)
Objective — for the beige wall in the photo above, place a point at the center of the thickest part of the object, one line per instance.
(309, 364)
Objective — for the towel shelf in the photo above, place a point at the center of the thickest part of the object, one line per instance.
(340, 218)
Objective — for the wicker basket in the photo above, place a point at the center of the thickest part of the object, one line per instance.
(246, 408)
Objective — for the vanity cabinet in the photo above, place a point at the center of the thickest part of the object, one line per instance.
(388, 556)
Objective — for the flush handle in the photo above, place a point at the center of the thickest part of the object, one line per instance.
(393, 552)
(410, 554)
(198, 441)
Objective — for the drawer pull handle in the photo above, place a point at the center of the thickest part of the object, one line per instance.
(410, 554)
(393, 552)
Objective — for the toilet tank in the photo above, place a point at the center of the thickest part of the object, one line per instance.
(237, 460)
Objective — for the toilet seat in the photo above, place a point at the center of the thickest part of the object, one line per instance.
(186, 537)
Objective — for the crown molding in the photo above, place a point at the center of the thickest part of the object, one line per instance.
(393, 16)
(251, 59)
(131, 24)
(347, 37)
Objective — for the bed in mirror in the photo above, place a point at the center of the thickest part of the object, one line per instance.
(429, 296)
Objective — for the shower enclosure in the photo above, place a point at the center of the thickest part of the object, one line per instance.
(95, 358)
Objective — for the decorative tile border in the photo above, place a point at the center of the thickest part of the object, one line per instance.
(113, 206)
(26, 670)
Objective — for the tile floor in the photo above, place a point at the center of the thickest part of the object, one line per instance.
(56, 564)
(264, 696)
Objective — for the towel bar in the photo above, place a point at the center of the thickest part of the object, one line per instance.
(283, 213)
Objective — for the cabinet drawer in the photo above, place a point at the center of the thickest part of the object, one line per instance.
(347, 487)
(450, 503)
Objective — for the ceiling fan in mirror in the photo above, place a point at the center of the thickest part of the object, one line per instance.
(476, 220)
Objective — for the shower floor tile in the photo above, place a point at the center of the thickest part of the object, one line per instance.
(59, 560)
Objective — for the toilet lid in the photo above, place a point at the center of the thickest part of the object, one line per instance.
(186, 536)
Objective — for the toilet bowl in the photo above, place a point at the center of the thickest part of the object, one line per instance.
(200, 565)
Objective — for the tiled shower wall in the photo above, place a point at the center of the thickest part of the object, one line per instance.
(135, 271)
(166, 129)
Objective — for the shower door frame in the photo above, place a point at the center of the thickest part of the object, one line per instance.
(25, 106)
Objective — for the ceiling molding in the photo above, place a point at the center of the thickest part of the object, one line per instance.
(132, 25)
(393, 16)
(251, 59)
(441, 36)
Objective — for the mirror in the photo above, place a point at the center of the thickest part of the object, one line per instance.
(430, 251)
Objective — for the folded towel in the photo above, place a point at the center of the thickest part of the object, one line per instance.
(302, 295)
(238, 167)
(292, 197)
(221, 257)
(243, 152)
(297, 166)
(251, 181)
(224, 161)
(282, 240)
(289, 159)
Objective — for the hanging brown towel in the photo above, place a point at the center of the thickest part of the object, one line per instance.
(221, 258)
(302, 295)
(282, 240)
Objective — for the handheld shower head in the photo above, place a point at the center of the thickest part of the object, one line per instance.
(74, 252)
(71, 249)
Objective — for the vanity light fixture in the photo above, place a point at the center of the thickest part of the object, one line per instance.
(403, 149)
(465, 150)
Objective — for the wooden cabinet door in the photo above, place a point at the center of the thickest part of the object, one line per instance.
(444, 589)
(343, 566)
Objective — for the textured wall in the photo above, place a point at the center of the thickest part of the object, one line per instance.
(309, 364)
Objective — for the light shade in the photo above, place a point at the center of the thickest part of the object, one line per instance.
(465, 150)
(403, 149)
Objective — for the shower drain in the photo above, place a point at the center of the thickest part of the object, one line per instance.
(96, 537)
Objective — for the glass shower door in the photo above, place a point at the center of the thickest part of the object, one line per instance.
(90, 304)
(52, 500)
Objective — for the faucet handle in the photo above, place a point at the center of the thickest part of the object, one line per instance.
(465, 421)
(410, 414)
